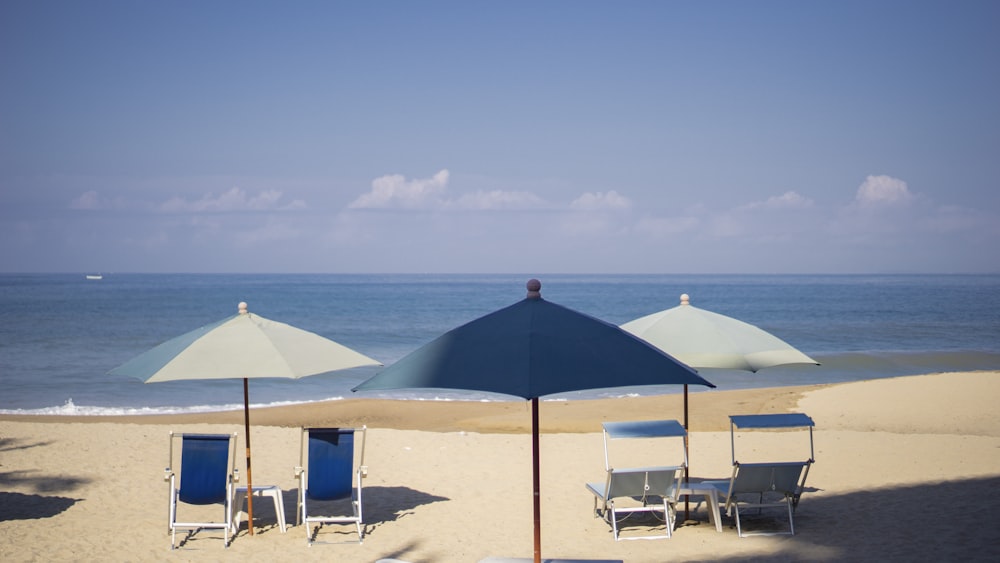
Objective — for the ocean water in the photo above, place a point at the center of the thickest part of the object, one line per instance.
(61, 334)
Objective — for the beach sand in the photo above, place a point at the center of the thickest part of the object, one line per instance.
(906, 469)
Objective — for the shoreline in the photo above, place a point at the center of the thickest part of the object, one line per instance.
(705, 411)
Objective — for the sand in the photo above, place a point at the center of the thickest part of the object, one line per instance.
(906, 468)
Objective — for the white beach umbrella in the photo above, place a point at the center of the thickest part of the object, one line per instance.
(703, 339)
(243, 346)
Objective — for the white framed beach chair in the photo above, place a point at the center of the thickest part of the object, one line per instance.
(761, 484)
(206, 477)
(649, 489)
(329, 477)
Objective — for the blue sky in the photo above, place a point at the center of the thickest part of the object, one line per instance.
(508, 137)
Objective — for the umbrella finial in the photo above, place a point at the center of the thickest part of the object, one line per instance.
(534, 289)
(685, 300)
(243, 307)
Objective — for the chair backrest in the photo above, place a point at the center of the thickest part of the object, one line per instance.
(764, 477)
(649, 430)
(771, 422)
(331, 463)
(204, 468)
(641, 482)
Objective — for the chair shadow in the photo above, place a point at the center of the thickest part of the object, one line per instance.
(380, 504)
(388, 504)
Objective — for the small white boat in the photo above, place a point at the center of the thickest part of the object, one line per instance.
(95, 277)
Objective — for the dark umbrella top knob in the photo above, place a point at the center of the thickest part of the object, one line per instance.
(534, 289)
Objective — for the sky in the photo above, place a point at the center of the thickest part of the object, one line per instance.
(500, 137)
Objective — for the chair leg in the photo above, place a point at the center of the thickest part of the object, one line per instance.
(614, 518)
(666, 517)
(305, 520)
(791, 517)
(739, 530)
(228, 519)
(357, 514)
(298, 508)
(173, 517)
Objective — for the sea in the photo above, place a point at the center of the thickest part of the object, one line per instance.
(60, 334)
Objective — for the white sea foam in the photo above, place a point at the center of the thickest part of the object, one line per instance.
(69, 408)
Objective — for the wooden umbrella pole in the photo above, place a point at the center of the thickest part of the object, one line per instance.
(536, 479)
(246, 424)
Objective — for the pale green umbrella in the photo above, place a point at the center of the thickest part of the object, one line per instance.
(241, 347)
(703, 339)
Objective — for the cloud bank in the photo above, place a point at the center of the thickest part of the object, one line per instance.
(451, 224)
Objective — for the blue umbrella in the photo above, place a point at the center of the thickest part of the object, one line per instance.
(531, 349)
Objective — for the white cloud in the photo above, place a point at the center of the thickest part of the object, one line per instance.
(269, 232)
(497, 199)
(156, 239)
(600, 200)
(665, 226)
(396, 191)
(787, 200)
(882, 191)
(576, 225)
(777, 217)
(954, 219)
(235, 199)
(88, 200)
(91, 200)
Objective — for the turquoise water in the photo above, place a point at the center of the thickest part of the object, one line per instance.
(60, 334)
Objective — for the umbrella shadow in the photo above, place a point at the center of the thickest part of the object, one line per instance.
(939, 521)
(41, 483)
(19, 506)
(11, 444)
(37, 503)
(381, 505)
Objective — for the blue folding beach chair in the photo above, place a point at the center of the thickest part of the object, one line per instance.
(327, 473)
(206, 477)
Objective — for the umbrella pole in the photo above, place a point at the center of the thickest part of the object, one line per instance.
(687, 459)
(246, 424)
(536, 481)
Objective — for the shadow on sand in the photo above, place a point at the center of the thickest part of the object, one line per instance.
(381, 505)
(21, 506)
(944, 521)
